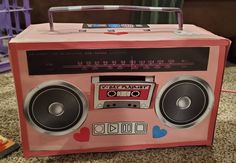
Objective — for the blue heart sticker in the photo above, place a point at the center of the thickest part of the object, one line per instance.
(157, 132)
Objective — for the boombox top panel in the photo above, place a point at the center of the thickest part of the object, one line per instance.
(67, 32)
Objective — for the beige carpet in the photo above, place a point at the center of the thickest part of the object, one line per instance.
(223, 150)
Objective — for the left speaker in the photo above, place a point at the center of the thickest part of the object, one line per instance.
(55, 107)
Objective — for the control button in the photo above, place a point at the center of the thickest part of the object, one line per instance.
(99, 128)
(126, 128)
(113, 128)
(140, 128)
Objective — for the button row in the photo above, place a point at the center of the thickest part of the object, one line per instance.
(120, 128)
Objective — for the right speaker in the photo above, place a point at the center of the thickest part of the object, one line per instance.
(184, 101)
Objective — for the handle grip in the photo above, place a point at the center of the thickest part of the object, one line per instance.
(114, 7)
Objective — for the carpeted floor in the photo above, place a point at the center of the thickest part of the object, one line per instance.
(223, 150)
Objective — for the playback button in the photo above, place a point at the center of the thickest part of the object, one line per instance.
(119, 128)
(126, 128)
(113, 128)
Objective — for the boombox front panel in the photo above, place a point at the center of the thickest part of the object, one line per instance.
(116, 128)
(94, 92)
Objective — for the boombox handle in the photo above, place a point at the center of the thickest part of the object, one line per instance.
(114, 7)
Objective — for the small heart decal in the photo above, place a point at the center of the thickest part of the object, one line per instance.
(157, 132)
(83, 135)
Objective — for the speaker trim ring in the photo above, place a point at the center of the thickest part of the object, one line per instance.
(61, 83)
(200, 81)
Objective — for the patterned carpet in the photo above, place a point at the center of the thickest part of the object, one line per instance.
(223, 150)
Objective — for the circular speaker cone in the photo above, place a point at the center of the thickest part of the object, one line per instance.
(56, 107)
(184, 101)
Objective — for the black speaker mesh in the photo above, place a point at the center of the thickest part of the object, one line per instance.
(40, 102)
(185, 88)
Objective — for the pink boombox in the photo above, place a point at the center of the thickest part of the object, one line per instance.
(112, 87)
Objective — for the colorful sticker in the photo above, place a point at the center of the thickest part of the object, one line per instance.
(157, 132)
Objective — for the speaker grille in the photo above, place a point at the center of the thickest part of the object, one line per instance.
(56, 108)
(184, 101)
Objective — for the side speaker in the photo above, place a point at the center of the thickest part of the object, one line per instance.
(56, 108)
(184, 101)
